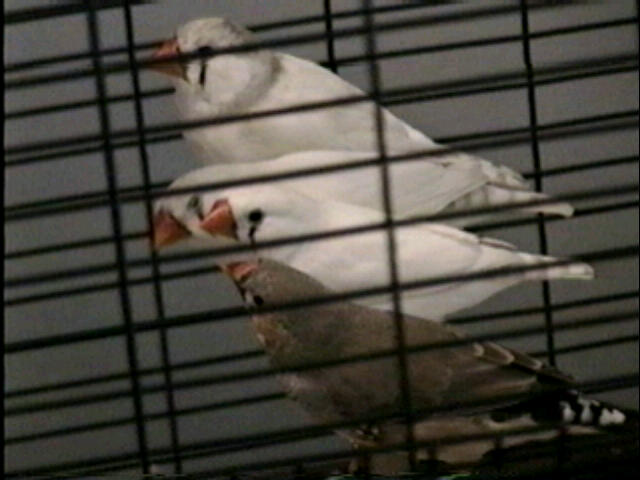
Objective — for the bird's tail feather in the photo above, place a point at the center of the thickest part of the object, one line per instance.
(558, 209)
(573, 270)
(569, 407)
(499, 196)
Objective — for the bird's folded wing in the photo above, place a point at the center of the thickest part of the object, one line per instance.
(502, 356)
(421, 187)
(490, 376)
(498, 175)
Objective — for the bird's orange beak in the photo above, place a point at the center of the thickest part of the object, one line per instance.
(169, 52)
(239, 271)
(219, 220)
(167, 230)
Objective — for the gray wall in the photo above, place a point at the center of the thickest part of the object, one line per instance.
(440, 119)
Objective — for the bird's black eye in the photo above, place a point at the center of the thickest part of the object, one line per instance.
(194, 202)
(255, 216)
(205, 51)
(251, 300)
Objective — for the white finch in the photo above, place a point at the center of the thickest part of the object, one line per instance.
(418, 187)
(428, 251)
(247, 82)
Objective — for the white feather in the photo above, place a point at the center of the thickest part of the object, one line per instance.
(418, 187)
(611, 417)
(424, 251)
(258, 81)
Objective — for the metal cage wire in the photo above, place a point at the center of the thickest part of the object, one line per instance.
(149, 268)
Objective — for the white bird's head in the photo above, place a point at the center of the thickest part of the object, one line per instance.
(212, 74)
(245, 214)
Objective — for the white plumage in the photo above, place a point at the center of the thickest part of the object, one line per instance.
(418, 186)
(260, 80)
(358, 261)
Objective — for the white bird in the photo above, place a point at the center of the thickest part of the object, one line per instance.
(418, 187)
(247, 82)
(482, 377)
(257, 214)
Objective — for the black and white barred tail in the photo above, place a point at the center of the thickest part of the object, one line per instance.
(578, 410)
(569, 408)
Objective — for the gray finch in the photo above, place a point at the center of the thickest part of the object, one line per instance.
(465, 373)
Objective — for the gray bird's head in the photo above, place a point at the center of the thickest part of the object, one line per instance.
(266, 283)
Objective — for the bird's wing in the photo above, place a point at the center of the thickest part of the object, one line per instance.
(432, 250)
(495, 373)
(421, 187)
(418, 187)
(498, 175)
(475, 372)
(352, 125)
(500, 356)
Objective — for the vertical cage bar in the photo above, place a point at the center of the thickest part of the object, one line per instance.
(638, 23)
(155, 269)
(110, 168)
(537, 168)
(330, 40)
(375, 86)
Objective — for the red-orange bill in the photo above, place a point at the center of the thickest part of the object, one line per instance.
(169, 51)
(167, 230)
(239, 271)
(219, 220)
